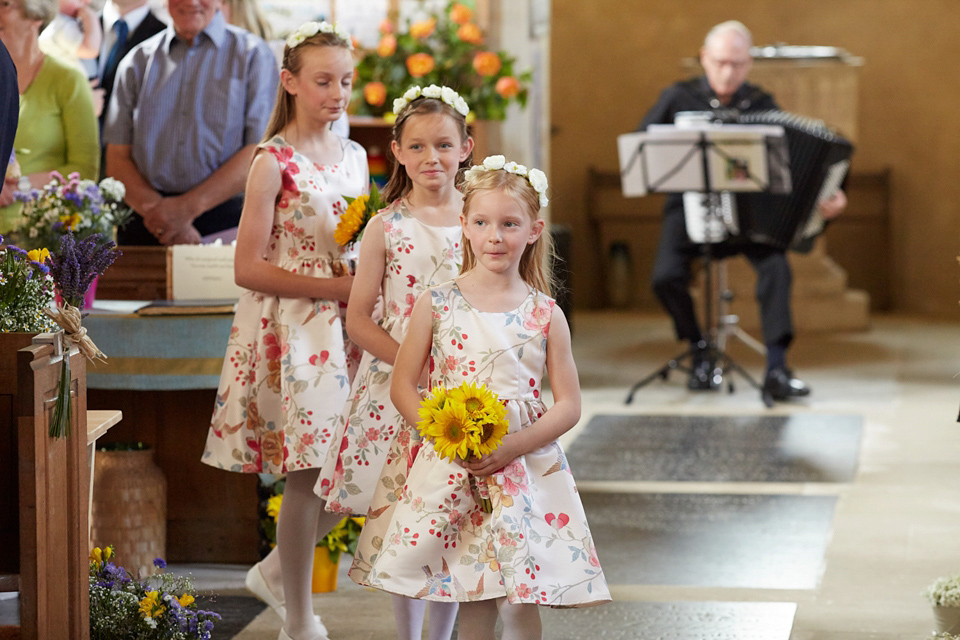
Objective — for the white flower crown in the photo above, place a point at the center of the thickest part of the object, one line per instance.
(536, 178)
(310, 29)
(446, 94)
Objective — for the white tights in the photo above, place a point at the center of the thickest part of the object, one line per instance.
(409, 612)
(478, 620)
(302, 522)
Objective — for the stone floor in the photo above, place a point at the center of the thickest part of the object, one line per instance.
(821, 519)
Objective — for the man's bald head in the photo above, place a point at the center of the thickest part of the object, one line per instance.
(726, 59)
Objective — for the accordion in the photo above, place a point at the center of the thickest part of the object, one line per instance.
(819, 160)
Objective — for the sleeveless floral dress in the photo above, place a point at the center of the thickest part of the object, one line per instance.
(288, 365)
(433, 541)
(417, 256)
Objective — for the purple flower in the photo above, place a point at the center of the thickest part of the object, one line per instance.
(77, 262)
(159, 563)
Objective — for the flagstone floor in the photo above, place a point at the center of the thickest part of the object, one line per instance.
(821, 519)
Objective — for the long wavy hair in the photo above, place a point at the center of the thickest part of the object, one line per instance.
(400, 183)
(534, 267)
(284, 108)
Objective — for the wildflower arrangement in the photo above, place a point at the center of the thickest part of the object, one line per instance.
(162, 606)
(342, 538)
(73, 267)
(70, 205)
(446, 49)
(354, 220)
(944, 592)
(463, 422)
(943, 636)
(26, 290)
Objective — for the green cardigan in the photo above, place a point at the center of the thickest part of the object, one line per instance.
(57, 129)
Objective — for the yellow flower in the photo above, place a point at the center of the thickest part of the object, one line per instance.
(475, 399)
(150, 606)
(352, 221)
(451, 432)
(38, 255)
(96, 557)
(273, 506)
(430, 405)
(186, 600)
(492, 431)
(390, 117)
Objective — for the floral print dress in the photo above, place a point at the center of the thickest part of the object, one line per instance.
(417, 256)
(288, 365)
(433, 541)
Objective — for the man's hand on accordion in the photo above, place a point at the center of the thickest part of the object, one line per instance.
(833, 206)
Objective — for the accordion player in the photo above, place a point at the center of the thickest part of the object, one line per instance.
(819, 161)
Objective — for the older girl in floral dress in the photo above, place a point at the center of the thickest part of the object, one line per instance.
(287, 371)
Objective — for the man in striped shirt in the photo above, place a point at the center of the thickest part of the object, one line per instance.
(189, 106)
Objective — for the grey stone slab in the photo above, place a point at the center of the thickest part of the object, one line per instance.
(796, 448)
(672, 621)
(707, 540)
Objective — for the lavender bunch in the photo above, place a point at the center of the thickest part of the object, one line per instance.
(77, 262)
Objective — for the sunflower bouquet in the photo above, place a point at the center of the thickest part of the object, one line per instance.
(354, 220)
(464, 422)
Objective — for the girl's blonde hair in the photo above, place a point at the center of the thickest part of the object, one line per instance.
(533, 263)
(400, 183)
(285, 106)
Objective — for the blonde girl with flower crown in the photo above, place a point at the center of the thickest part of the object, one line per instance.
(494, 325)
(288, 365)
(412, 244)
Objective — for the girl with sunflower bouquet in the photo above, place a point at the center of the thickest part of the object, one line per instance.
(413, 243)
(496, 328)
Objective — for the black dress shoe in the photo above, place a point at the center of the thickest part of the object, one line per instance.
(781, 385)
(701, 372)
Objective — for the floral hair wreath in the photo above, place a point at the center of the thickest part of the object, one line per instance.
(446, 94)
(310, 29)
(536, 178)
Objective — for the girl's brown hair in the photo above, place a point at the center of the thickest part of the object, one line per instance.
(400, 183)
(534, 268)
(285, 106)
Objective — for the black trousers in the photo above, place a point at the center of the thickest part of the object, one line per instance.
(672, 274)
(225, 215)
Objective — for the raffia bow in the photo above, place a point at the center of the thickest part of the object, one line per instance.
(69, 319)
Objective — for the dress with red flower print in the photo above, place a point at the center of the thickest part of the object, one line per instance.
(372, 432)
(433, 541)
(288, 365)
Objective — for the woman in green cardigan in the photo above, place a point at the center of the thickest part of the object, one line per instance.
(58, 128)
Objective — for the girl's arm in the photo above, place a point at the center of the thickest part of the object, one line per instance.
(251, 269)
(412, 356)
(558, 419)
(366, 291)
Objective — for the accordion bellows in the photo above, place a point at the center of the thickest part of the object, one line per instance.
(819, 160)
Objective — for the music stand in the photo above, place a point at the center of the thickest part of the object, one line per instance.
(708, 158)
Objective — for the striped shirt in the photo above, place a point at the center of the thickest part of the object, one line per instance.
(186, 109)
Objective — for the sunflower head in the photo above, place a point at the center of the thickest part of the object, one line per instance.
(352, 221)
(452, 432)
(429, 408)
(476, 399)
(491, 432)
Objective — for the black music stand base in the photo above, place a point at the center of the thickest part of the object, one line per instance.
(722, 364)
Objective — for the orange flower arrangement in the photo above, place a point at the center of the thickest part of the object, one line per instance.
(486, 63)
(446, 49)
(375, 93)
(470, 33)
(420, 64)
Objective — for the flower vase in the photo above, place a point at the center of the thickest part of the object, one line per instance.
(324, 571)
(947, 619)
(88, 298)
